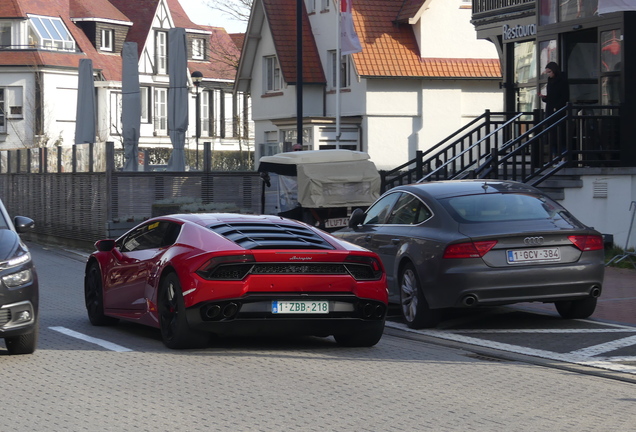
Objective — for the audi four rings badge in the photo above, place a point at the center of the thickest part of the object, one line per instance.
(533, 241)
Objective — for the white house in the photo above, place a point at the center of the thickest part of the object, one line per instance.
(41, 44)
(421, 75)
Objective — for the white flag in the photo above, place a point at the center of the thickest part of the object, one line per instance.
(349, 42)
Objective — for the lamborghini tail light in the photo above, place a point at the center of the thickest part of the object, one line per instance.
(363, 267)
(227, 267)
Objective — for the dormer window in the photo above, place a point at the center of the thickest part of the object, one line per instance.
(5, 34)
(198, 49)
(50, 33)
(106, 43)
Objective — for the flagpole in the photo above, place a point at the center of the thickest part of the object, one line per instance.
(299, 72)
(337, 66)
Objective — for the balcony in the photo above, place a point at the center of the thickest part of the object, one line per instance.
(489, 8)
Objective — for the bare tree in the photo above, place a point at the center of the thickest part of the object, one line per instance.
(237, 9)
(223, 51)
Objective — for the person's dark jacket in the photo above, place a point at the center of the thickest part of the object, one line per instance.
(558, 92)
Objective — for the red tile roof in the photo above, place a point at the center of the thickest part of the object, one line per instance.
(238, 39)
(96, 9)
(223, 56)
(10, 9)
(109, 65)
(408, 9)
(391, 50)
(224, 53)
(141, 13)
(461, 68)
(179, 16)
(281, 15)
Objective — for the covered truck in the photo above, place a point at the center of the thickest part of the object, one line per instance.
(318, 187)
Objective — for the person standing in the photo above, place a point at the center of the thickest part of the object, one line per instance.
(558, 95)
(558, 89)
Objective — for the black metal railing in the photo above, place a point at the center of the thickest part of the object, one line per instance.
(484, 6)
(462, 150)
(576, 136)
(518, 146)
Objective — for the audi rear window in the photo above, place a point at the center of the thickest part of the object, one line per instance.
(498, 207)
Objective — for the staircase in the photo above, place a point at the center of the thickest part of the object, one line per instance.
(520, 146)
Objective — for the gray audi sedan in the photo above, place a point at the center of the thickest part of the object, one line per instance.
(470, 243)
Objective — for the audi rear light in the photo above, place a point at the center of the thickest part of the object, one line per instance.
(587, 242)
(227, 267)
(363, 267)
(469, 249)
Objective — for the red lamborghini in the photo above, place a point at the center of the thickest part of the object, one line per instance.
(193, 275)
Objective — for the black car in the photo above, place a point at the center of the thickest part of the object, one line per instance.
(469, 243)
(18, 287)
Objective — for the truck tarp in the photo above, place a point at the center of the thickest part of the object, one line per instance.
(338, 184)
(328, 178)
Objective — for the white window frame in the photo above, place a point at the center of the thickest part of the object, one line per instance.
(6, 40)
(13, 102)
(161, 112)
(52, 33)
(271, 75)
(3, 118)
(107, 40)
(324, 6)
(161, 52)
(144, 96)
(345, 80)
(198, 49)
(115, 124)
(310, 5)
(205, 113)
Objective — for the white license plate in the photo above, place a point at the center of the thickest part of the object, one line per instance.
(300, 306)
(336, 222)
(533, 255)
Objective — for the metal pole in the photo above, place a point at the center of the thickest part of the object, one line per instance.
(338, 61)
(299, 71)
(198, 128)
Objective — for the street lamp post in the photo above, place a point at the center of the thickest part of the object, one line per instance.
(197, 77)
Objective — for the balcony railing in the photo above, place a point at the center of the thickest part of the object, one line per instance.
(483, 6)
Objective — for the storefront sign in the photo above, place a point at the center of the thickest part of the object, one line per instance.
(518, 31)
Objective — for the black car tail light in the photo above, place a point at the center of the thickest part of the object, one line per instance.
(587, 242)
(469, 249)
(227, 267)
(363, 267)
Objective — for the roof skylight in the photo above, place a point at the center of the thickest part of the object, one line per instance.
(51, 33)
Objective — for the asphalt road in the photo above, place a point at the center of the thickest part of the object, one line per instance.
(122, 378)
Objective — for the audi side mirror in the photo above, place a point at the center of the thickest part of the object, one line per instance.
(356, 218)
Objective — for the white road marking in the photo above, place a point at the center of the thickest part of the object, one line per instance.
(584, 356)
(606, 347)
(102, 343)
(549, 331)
